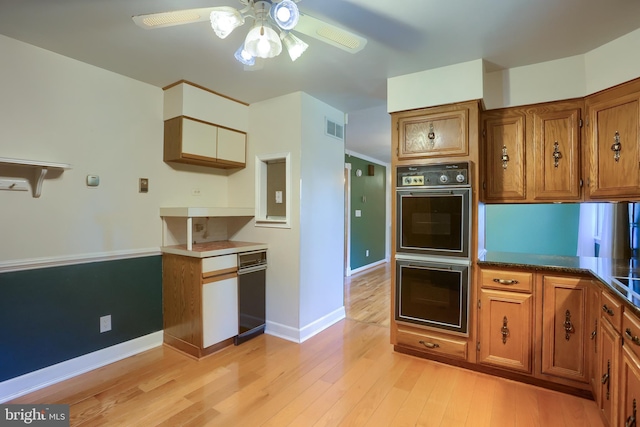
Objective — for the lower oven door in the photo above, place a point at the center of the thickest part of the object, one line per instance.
(432, 294)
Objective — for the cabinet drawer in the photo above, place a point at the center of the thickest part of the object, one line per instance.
(216, 265)
(506, 280)
(631, 332)
(612, 310)
(423, 341)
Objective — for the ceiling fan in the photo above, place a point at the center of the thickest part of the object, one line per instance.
(274, 22)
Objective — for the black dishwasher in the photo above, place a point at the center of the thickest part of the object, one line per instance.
(252, 268)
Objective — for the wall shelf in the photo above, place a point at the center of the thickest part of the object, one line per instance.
(40, 170)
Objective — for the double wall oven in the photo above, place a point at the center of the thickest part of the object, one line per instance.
(433, 219)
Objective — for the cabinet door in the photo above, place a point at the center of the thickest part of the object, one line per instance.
(593, 352)
(434, 134)
(610, 344)
(199, 139)
(505, 329)
(629, 387)
(614, 124)
(231, 146)
(556, 153)
(504, 150)
(564, 328)
(219, 311)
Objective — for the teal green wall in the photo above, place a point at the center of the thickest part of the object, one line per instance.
(367, 231)
(545, 229)
(50, 315)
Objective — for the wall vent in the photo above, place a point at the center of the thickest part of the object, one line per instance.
(334, 129)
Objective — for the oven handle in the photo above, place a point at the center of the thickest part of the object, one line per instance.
(422, 193)
(440, 267)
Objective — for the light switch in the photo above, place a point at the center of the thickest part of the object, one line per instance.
(278, 196)
(93, 180)
(358, 213)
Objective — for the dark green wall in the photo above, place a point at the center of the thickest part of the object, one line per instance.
(367, 231)
(50, 315)
(545, 229)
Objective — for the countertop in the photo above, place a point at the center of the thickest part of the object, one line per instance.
(620, 276)
(207, 249)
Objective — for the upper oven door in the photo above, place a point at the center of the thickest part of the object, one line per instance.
(433, 222)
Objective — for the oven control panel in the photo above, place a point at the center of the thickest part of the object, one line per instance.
(433, 175)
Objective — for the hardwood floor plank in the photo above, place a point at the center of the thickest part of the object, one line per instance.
(346, 375)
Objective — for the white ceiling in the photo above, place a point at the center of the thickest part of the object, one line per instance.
(404, 36)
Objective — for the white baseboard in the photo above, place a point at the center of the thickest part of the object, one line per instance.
(27, 383)
(368, 266)
(300, 335)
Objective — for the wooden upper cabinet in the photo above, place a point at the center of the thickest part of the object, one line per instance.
(614, 143)
(433, 132)
(532, 153)
(193, 141)
(556, 152)
(504, 152)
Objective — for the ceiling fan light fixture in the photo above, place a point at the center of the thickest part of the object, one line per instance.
(285, 14)
(294, 45)
(224, 20)
(262, 41)
(244, 57)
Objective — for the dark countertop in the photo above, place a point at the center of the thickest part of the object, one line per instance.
(620, 276)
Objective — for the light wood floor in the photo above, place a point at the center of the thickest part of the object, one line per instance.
(348, 375)
(366, 295)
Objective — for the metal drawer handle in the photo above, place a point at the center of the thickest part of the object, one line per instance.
(616, 147)
(504, 330)
(505, 157)
(557, 155)
(605, 378)
(607, 310)
(506, 281)
(631, 421)
(429, 344)
(568, 326)
(634, 338)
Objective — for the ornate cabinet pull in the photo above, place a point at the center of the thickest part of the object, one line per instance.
(568, 326)
(505, 157)
(616, 147)
(557, 155)
(506, 281)
(631, 421)
(605, 377)
(429, 344)
(634, 338)
(607, 310)
(504, 330)
(432, 136)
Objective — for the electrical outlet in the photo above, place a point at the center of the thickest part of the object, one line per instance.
(144, 185)
(195, 191)
(367, 252)
(105, 323)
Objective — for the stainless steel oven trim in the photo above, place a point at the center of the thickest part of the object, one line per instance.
(461, 191)
(462, 328)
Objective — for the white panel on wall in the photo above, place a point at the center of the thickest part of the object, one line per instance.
(445, 85)
(613, 63)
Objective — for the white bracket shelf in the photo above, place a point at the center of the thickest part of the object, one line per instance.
(40, 170)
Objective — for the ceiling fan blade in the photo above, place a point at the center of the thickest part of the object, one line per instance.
(331, 34)
(177, 17)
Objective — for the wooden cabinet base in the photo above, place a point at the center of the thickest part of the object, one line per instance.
(192, 350)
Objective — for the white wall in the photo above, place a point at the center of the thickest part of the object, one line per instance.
(57, 109)
(304, 277)
(613, 63)
(321, 215)
(445, 85)
(283, 272)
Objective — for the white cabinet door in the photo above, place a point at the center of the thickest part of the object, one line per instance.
(199, 138)
(231, 145)
(219, 311)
